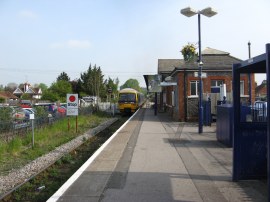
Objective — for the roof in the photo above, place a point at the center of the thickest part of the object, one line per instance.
(30, 90)
(7, 95)
(128, 90)
(213, 59)
(260, 87)
(212, 51)
(168, 65)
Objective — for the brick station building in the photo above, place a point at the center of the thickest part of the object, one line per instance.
(181, 100)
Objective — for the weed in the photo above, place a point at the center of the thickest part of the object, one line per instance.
(14, 146)
(67, 158)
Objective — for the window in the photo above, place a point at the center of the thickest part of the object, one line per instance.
(127, 97)
(194, 88)
(216, 83)
(242, 90)
(216, 86)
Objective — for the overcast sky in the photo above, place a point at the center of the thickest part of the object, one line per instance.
(41, 39)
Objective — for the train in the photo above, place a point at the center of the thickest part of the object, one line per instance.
(130, 100)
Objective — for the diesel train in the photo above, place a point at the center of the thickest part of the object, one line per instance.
(130, 100)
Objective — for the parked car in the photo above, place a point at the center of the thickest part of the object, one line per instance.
(61, 110)
(27, 112)
(18, 113)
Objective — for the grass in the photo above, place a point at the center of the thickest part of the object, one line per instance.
(45, 184)
(19, 151)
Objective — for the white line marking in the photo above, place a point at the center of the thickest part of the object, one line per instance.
(78, 173)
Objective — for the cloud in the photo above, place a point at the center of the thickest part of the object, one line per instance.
(73, 44)
(27, 14)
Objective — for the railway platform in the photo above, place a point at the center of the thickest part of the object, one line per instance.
(153, 158)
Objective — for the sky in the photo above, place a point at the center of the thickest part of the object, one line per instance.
(41, 39)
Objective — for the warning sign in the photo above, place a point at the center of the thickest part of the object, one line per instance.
(72, 104)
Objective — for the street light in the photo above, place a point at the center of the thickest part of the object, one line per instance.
(209, 12)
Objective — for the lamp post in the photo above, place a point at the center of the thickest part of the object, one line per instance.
(209, 12)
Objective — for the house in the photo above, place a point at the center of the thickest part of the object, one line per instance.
(8, 97)
(182, 99)
(35, 93)
(261, 91)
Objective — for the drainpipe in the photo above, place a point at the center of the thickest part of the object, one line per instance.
(185, 94)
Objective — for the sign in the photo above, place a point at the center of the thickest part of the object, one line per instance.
(31, 116)
(72, 105)
(196, 74)
(153, 83)
(168, 84)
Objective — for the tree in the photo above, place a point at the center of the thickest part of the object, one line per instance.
(60, 89)
(26, 96)
(92, 82)
(48, 95)
(11, 87)
(76, 86)
(63, 77)
(131, 83)
(113, 85)
(43, 87)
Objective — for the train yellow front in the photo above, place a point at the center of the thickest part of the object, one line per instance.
(129, 100)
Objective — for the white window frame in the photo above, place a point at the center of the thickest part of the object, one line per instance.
(216, 83)
(242, 88)
(197, 82)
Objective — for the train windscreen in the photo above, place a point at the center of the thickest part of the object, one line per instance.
(127, 97)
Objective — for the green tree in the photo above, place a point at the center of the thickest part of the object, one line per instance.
(2, 100)
(92, 82)
(63, 77)
(41, 112)
(5, 113)
(50, 96)
(131, 83)
(76, 87)
(43, 87)
(113, 85)
(26, 96)
(61, 88)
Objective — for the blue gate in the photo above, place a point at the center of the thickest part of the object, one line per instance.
(250, 132)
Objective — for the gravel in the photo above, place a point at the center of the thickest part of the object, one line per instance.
(18, 176)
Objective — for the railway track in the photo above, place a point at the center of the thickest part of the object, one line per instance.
(45, 183)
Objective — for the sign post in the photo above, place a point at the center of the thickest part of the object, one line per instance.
(72, 107)
(32, 117)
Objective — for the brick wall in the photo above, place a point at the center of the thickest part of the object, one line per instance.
(183, 82)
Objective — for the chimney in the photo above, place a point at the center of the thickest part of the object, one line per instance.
(26, 87)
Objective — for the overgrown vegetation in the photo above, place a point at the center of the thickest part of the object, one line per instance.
(19, 151)
(50, 180)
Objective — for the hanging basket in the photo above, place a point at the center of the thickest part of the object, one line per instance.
(189, 52)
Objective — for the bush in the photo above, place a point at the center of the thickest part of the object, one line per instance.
(41, 112)
(5, 114)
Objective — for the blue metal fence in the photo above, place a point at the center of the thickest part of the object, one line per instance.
(250, 128)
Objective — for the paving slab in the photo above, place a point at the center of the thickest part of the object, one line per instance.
(154, 158)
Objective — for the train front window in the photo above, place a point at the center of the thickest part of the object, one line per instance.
(127, 97)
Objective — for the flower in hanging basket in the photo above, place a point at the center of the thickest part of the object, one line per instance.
(188, 52)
